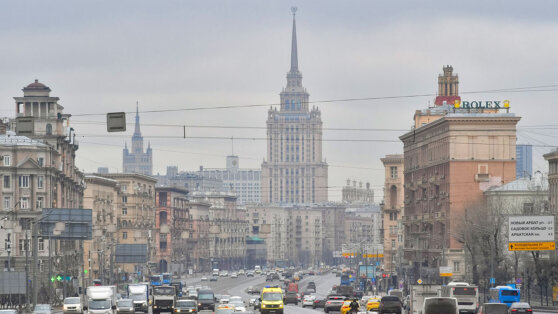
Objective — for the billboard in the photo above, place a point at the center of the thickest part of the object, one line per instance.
(77, 222)
(12, 282)
(131, 253)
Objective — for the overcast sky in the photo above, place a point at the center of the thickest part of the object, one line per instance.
(103, 56)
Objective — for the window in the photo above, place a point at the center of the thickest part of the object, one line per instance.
(41, 161)
(41, 244)
(124, 199)
(25, 223)
(24, 202)
(40, 200)
(163, 246)
(392, 244)
(40, 182)
(7, 160)
(124, 188)
(7, 202)
(24, 245)
(456, 267)
(23, 181)
(49, 129)
(124, 211)
(393, 171)
(124, 235)
(7, 182)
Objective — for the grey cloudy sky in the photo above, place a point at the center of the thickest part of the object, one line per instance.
(102, 56)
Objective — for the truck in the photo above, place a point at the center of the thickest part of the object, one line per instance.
(101, 300)
(139, 293)
(293, 287)
(215, 272)
(346, 291)
(163, 299)
(418, 293)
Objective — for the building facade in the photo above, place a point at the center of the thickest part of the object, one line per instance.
(101, 196)
(449, 162)
(228, 229)
(172, 230)
(135, 215)
(392, 210)
(524, 161)
(38, 171)
(294, 171)
(353, 194)
(245, 183)
(137, 161)
(190, 180)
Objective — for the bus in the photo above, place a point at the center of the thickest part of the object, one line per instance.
(504, 294)
(467, 296)
(167, 278)
(156, 280)
(345, 280)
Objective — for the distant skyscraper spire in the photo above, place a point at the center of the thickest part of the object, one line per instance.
(137, 128)
(294, 52)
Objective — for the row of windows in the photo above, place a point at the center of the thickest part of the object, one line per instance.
(24, 181)
(7, 160)
(24, 202)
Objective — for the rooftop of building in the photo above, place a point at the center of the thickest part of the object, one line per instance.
(171, 189)
(127, 175)
(527, 184)
(37, 85)
(12, 139)
(100, 180)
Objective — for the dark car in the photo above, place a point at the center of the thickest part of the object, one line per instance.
(319, 302)
(275, 276)
(334, 303)
(390, 304)
(311, 285)
(269, 278)
(213, 278)
(186, 306)
(493, 308)
(206, 300)
(520, 307)
(290, 297)
(359, 294)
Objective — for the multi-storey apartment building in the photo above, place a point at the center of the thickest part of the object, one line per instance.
(172, 229)
(38, 171)
(135, 214)
(199, 237)
(298, 235)
(294, 171)
(228, 229)
(245, 183)
(392, 210)
(453, 154)
(101, 195)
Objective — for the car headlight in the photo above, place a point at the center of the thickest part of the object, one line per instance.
(177, 310)
(154, 306)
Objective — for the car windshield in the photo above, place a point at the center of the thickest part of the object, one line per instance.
(186, 303)
(42, 307)
(163, 291)
(513, 293)
(205, 296)
(71, 301)
(125, 303)
(99, 304)
(272, 296)
(138, 297)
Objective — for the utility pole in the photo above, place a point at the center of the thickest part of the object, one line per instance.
(35, 250)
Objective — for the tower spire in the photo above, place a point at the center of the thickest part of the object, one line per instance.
(294, 53)
(137, 128)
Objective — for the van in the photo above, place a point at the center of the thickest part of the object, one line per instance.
(440, 305)
(271, 300)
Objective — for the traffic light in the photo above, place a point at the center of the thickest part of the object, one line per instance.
(85, 271)
(384, 275)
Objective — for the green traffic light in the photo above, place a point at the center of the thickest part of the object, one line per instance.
(52, 279)
(85, 271)
(59, 278)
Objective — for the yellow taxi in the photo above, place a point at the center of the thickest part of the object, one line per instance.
(373, 303)
(346, 307)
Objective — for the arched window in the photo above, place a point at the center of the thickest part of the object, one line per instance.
(49, 129)
(393, 196)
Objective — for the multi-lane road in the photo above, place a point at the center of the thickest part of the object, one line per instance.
(238, 286)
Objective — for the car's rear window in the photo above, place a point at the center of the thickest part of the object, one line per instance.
(495, 309)
(390, 298)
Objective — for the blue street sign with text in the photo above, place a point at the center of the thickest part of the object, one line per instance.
(492, 280)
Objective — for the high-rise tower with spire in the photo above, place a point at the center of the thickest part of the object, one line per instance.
(137, 161)
(294, 171)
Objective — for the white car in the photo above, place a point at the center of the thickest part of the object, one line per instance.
(234, 275)
(241, 272)
(238, 306)
(72, 305)
(235, 298)
(252, 301)
(225, 299)
(308, 300)
(204, 278)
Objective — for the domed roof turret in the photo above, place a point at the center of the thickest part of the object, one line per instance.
(37, 85)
